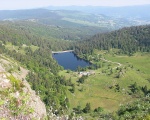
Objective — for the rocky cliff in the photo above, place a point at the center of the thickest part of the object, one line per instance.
(17, 99)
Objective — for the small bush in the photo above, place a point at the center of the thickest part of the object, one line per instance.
(16, 83)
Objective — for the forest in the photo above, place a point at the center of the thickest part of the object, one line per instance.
(128, 40)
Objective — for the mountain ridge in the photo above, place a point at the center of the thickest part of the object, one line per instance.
(124, 11)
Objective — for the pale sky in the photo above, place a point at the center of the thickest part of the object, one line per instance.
(26, 4)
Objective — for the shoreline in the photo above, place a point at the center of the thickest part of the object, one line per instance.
(53, 52)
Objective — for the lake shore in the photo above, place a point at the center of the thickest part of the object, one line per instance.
(62, 51)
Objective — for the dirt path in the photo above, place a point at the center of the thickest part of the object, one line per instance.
(119, 64)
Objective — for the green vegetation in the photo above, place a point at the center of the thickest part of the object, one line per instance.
(120, 75)
(16, 83)
(36, 55)
(120, 79)
(13, 99)
(137, 110)
(128, 40)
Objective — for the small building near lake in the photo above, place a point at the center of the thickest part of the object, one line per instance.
(86, 73)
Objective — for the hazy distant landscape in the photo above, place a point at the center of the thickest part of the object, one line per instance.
(78, 19)
(46, 48)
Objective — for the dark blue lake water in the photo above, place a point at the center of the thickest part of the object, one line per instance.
(70, 61)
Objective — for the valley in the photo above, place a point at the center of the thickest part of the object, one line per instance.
(111, 81)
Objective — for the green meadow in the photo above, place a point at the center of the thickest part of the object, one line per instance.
(21, 49)
(100, 89)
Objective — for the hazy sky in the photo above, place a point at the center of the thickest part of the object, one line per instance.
(25, 4)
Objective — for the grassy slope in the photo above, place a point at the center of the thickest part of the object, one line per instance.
(96, 87)
(21, 49)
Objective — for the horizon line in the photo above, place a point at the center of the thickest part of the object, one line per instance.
(45, 7)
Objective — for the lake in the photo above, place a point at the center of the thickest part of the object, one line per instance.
(70, 61)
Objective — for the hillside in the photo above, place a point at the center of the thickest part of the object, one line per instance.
(61, 22)
(28, 33)
(121, 75)
(35, 54)
(70, 24)
(128, 40)
(17, 99)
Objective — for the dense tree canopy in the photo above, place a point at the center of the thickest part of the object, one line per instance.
(129, 40)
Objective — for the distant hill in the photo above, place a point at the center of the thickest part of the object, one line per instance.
(71, 25)
(77, 19)
(27, 14)
(140, 11)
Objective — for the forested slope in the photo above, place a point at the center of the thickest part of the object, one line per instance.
(128, 40)
(34, 53)
(71, 25)
(29, 33)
